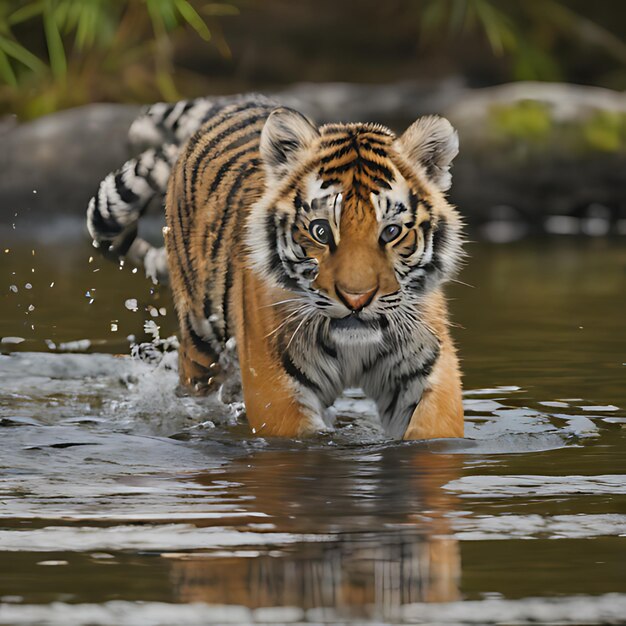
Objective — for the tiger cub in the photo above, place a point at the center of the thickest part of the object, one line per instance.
(321, 252)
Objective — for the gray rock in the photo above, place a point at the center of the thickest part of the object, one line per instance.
(541, 149)
(52, 166)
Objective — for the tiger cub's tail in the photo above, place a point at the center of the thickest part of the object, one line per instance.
(125, 194)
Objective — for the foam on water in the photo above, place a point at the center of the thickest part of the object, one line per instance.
(604, 609)
(140, 396)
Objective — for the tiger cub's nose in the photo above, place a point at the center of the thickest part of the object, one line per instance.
(356, 301)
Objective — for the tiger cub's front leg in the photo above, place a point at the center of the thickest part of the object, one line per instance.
(417, 388)
(279, 399)
(440, 410)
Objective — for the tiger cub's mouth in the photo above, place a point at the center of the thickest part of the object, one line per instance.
(353, 322)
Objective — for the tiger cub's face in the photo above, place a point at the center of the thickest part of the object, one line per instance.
(354, 220)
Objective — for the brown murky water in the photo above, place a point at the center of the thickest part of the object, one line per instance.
(121, 503)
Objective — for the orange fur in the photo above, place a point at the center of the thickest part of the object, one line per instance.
(226, 207)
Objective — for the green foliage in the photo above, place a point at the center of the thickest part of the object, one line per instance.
(126, 41)
(606, 131)
(525, 30)
(527, 120)
(59, 53)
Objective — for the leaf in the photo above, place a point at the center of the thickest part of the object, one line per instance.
(25, 13)
(163, 12)
(191, 16)
(6, 71)
(58, 61)
(20, 53)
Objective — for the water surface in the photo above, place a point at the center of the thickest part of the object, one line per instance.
(122, 503)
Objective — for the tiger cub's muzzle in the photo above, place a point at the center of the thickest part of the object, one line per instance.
(355, 301)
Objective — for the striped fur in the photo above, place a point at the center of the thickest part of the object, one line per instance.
(113, 214)
(247, 193)
(319, 253)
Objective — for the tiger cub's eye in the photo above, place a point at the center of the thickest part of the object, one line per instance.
(390, 232)
(320, 231)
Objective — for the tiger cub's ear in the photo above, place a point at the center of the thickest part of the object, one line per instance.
(431, 142)
(285, 136)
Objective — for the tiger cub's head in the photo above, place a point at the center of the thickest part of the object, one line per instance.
(353, 218)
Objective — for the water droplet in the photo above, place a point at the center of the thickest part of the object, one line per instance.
(52, 284)
(13, 340)
(31, 307)
(114, 327)
(7, 250)
(163, 311)
(13, 288)
(131, 304)
(134, 270)
(28, 286)
(90, 259)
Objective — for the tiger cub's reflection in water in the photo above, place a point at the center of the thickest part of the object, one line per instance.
(385, 513)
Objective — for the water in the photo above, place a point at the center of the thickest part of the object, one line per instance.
(123, 504)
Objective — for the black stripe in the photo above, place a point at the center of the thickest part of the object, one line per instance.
(328, 182)
(413, 202)
(380, 182)
(381, 152)
(227, 206)
(339, 169)
(337, 154)
(198, 343)
(197, 160)
(123, 191)
(186, 108)
(335, 143)
(276, 264)
(329, 350)
(297, 373)
(109, 227)
(230, 162)
(179, 247)
(228, 285)
(376, 169)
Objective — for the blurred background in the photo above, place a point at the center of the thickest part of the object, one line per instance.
(535, 89)
(60, 53)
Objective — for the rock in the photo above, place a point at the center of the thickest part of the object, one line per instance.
(545, 149)
(52, 166)
(542, 150)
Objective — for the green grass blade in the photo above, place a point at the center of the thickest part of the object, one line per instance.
(6, 71)
(191, 16)
(21, 54)
(58, 60)
(25, 13)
